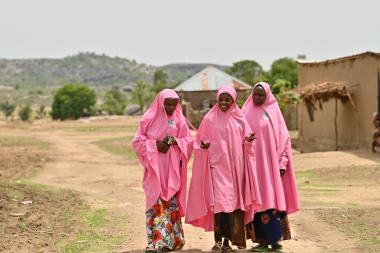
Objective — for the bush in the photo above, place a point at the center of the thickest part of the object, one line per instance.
(72, 101)
(25, 113)
(7, 108)
(114, 102)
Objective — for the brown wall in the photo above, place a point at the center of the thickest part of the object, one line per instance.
(354, 128)
(196, 98)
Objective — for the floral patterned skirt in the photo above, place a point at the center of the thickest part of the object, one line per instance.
(164, 225)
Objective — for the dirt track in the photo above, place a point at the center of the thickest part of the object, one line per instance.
(113, 182)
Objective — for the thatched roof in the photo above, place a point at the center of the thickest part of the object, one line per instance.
(313, 94)
(327, 90)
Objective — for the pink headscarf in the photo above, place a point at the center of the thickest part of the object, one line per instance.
(233, 159)
(165, 174)
(285, 186)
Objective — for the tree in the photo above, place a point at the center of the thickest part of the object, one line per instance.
(141, 94)
(73, 101)
(7, 108)
(247, 70)
(25, 113)
(160, 81)
(160, 76)
(114, 102)
(284, 68)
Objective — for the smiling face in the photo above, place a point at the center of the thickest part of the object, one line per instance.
(170, 105)
(224, 102)
(259, 95)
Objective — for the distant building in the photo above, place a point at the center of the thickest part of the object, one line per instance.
(338, 99)
(200, 89)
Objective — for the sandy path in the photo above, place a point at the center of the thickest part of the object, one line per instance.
(112, 182)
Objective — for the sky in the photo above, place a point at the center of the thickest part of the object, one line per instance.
(160, 32)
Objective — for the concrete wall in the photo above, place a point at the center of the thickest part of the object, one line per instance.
(354, 127)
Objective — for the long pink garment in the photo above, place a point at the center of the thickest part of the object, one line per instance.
(165, 174)
(272, 148)
(223, 176)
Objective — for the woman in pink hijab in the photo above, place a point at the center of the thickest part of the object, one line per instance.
(223, 191)
(275, 172)
(163, 145)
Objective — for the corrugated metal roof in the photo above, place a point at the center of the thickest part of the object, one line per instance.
(211, 78)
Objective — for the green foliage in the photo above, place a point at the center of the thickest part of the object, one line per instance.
(160, 76)
(25, 113)
(114, 102)
(141, 94)
(73, 101)
(247, 70)
(160, 81)
(41, 113)
(284, 68)
(7, 108)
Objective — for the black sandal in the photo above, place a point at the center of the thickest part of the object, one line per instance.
(165, 249)
(217, 247)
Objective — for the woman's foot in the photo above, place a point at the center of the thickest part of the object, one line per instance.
(150, 249)
(277, 247)
(165, 249)
(259, 248)
(226, 248)
(217, 247)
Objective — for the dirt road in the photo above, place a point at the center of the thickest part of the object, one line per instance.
(114, 182)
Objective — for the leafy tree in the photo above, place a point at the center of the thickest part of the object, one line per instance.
(141, 94)
(73, 101)
(7, 108)
(284, 68)
(25, 113)
(247, 70)
(160, 81)
(160, 76)
(114, 102)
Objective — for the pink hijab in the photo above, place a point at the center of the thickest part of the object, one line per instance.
(165, 175)
(226, 132)
(285, 186)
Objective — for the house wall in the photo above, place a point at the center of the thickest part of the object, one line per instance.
(354, 126)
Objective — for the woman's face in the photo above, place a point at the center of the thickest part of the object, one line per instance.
(225, 101)
(170, 105)
(259, 95)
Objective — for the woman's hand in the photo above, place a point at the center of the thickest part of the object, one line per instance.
(205, 145)
(251, 137)
(162, 146)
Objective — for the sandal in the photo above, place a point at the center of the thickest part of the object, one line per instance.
(260, 248)
(150, 249)
(165, 249)
(277, 247)
(226, 248)
(217, 247)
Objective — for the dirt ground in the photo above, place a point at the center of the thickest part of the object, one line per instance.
(340, 191)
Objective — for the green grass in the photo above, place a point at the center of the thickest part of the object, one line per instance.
(26, 141)
(93, 235)
(118, 146)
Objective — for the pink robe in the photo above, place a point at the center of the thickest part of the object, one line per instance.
(273, 152)
(223, 176)
(165, 174)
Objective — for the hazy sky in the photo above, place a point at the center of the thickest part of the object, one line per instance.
(166, 31)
